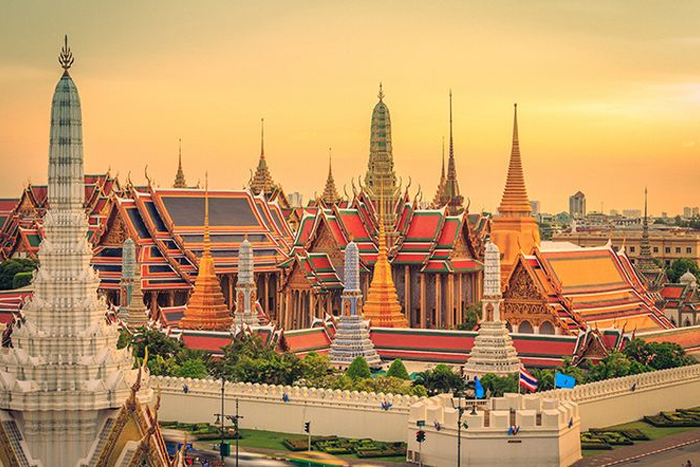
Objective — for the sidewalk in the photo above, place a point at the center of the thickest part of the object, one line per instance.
(640, 450)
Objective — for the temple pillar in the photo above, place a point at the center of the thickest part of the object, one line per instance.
(407, 293)
(284, 321)
(423, 320)
(171, 297)
(438, 302)
(312, 308)
(231, 296)
(267, 295)
(154, 301)
(460, 297)
(451, 288)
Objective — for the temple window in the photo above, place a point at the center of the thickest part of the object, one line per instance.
(525, 328)
(547, 328)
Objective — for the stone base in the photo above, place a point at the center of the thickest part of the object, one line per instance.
(352, 340)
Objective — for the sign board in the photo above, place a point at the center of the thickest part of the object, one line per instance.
(420, 423)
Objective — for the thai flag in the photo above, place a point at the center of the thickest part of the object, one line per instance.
(527, 380)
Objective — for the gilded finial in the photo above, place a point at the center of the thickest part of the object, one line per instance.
(65, 58)
(381, 92)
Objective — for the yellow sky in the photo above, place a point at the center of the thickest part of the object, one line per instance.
(608, 92)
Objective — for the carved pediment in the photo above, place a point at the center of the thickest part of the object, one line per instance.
(460, 249)
(117, 232)
(297, 278)
(522, 286)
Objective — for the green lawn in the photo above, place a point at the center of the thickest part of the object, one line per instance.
(272, 440)
(650, 430)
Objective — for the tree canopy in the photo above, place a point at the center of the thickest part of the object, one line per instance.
(680, 267)
(12, 267)
(398, 370)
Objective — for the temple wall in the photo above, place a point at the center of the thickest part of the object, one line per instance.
(548, 432)
(622, 400)
(342, 413)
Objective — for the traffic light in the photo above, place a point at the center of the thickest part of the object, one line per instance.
(307, 427)
(420, 436)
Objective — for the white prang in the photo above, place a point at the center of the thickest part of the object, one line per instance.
(65, 376)
(493, 350)
(352, 334)
(245, 314)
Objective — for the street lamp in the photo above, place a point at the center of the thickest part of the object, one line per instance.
(222, 417)
(460, 410)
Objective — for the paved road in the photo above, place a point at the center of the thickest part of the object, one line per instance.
(673, 450)
(674, 458)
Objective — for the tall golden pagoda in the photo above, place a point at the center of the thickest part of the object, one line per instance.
(514, 229)
(206, 308)
(382, 307)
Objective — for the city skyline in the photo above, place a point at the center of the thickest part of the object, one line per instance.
(600, 112)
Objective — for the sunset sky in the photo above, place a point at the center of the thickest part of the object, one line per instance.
(608, 92)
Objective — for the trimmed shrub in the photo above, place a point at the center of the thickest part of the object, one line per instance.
(397, 370)
(359, 369)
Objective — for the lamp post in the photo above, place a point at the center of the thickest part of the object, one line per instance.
(222, 417)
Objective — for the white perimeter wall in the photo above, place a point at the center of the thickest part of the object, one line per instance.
(359, 415)
(342, 413)
(622, 400)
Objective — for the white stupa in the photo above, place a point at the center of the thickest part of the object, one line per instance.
(352, 334)
(493, 350)
(64, 381)
(246, 291)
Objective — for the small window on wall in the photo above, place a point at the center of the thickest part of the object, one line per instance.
(656, 249)
(668, 249)
(632, 249)
(678, 249)
(688, 250)
(547, 328)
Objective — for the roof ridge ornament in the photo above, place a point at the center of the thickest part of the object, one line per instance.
(65, 58)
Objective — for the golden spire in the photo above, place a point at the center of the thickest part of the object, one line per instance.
(262, 180)
(330, 193)
(180, 175)
(515, 202)
(206, 308)
(382, 305)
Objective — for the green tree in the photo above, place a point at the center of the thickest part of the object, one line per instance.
(657, 355)
(545, 379)
(470, 318)
(22, 279)
(192, 368)
(614, 365)
(570, 370)
(440, 379)
(680, 267)
(10, 268)
(315, 366)
(359, 368)
(397, 370)
(496, 386)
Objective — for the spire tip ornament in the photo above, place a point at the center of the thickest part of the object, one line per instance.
(65, 58)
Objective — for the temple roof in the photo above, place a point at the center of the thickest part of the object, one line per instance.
(591, 287)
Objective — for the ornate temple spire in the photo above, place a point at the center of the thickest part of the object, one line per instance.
(64, 375)
(453, 198)
(133, 311)
(206, 308)
(380, 179)
(330, 193)
(645, 263)
(493, 350)
(352, 335)
(262, 180)
(180, 175)
(382, 307)
(515, 202)
(440, 192)
(514, 230)
(246, 291)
